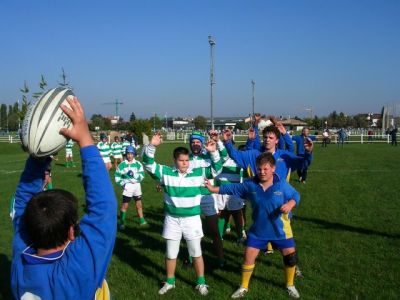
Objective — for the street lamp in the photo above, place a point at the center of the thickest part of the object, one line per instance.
(211, 41)
(253, 83)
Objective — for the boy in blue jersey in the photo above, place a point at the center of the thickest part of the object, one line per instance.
(272, 200)
(285, 160)
(301, 140)
(54, 255)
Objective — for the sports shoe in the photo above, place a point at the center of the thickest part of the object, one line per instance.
(244, 235)
(268, 252)
(298, 272)
(228, 230)
(121, 227)
(240, 241)
(240, 293)
(202, 288)
(143, 223)
(166, 287)
(291, 289)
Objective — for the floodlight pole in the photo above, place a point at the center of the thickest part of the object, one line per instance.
(211, 41)
(253, 83)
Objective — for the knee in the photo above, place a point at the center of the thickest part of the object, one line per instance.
(290, 260)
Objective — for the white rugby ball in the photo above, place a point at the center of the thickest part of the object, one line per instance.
(264, 123)
(43, 121)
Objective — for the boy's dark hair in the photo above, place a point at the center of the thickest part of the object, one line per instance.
(272, 129)
(180, 150)
(265, 158)
(49, 216)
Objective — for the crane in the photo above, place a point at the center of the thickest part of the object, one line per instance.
(116, 103)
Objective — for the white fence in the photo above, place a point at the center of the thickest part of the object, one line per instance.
(183, 137)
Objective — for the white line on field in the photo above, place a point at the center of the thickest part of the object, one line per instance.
(349, 171)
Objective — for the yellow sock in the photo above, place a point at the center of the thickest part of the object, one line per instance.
(247, 270)
(269, 247)
(289, 275)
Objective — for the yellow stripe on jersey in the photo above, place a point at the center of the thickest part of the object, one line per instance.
(103, 292)
(250, 172)
(288, 175)
(287, 229)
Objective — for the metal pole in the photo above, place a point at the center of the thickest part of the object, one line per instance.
(211, 41)
(253, 84)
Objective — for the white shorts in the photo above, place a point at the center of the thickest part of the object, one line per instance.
(209, 205)
(68, 152)
(228, 202)
(132, 189)
(117, 156)
(188, 227)
(106, 160)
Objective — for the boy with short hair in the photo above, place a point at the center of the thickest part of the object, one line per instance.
(128, 175)
(54, 255)
(116, 151)
(272, 200)
(183, 188)
(105, 150)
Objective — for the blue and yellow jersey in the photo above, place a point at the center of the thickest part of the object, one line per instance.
(269, 222)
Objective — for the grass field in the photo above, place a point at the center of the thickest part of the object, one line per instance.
(347, 231)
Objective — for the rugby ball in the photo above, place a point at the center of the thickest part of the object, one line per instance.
(43, 121)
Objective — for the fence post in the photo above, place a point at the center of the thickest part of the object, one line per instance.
(362, 138)
(388, 141)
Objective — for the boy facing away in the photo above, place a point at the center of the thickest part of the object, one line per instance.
(183, 188)
(272, 200)
(56, 256)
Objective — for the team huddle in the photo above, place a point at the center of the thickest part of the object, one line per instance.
(57, 256)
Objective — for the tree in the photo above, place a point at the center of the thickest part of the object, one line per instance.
(241, 125)
(200, 122)
(132, 117)
(156, 122)
(64, 83)
(42, 86)
(140, 126)
(25, 103)
(3, 116)
(99, 121)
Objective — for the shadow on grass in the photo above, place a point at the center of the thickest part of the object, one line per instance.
(343, 227)
(135, 257)
(5, 267)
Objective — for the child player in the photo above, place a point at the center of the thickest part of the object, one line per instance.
(129, 174)
(56, 256)
(183, 188)
(105, 150)
(116, 151)
(69, 158)
(272, 200)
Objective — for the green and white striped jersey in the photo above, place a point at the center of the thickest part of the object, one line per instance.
(125, 143)
(104, 148)
(69, 144)
(182, 192)
(129, 172)
(116, 148)
(230, 173)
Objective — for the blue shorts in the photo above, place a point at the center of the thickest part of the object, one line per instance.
(254, 242)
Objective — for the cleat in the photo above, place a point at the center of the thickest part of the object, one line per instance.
(244, 235)
(240, 241)
(228, 230)
(268, 252)
(291, 289)
(202, 288)
(143, 224)
(166, 287)
(239, 293)
(298, 272)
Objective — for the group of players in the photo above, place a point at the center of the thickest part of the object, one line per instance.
(203, 180)
(185, 197)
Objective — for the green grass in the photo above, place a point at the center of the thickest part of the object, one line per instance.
(347, 231)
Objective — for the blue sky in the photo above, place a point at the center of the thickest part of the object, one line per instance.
(154, 56)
